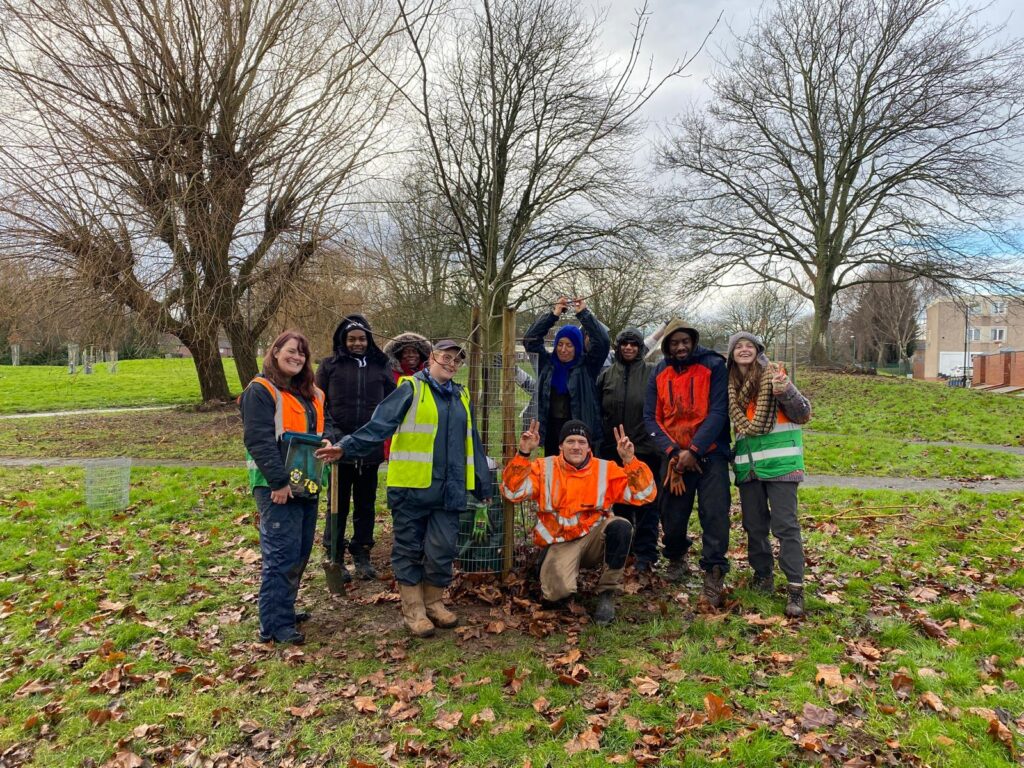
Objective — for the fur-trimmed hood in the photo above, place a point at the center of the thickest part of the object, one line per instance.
(393, 349)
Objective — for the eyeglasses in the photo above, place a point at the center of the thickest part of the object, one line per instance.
(631, 344)
(450, 359)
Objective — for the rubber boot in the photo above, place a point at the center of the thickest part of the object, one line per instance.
(794, 602)
(413, 610)
(714, 583)
(433, 599)
(604, 613)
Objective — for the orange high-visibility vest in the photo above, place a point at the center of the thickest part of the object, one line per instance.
(570, 499)
(289, 416)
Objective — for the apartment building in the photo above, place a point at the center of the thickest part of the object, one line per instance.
(990, 324)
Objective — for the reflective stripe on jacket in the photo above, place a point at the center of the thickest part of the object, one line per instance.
(412, 448)
(775, 454)
(570, 499)
(290, 415)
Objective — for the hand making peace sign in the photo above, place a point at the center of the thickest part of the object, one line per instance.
(623, 445)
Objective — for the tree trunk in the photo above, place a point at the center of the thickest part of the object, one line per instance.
(243, 347)
(822, 317)
(213, 384)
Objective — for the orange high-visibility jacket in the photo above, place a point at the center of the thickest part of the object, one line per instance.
(571, 500)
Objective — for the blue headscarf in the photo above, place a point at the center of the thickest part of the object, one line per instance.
(560, 375)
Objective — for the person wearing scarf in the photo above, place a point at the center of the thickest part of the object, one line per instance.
(766, 410)
(567, 377)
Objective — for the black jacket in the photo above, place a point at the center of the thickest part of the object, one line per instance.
(354, 386)
(583, 398)
(622, 389)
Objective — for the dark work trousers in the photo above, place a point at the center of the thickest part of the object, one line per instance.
(357, 483)
(645, 518)
(425, 544)
(286, 540)
(711, 487)
(771, 505)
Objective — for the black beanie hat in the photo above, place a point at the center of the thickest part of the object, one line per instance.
(575, 427)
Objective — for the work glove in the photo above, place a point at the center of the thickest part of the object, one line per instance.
(674, 478)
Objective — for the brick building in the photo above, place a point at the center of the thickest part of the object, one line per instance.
(992, 324)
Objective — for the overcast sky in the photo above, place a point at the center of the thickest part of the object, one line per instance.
(677, 28)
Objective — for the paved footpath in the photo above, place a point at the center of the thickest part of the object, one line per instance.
(86, 412)
(812, 481)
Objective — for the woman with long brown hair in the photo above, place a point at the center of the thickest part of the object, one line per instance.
(766, 410)
(278, 406)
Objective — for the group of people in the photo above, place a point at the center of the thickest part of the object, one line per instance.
(628, 445)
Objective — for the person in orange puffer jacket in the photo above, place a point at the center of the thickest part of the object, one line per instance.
(575, 492)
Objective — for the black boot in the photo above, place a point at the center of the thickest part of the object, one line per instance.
(794, 602)
(714, 583)
(604, 613)
(677, 570)
(763, 584)
(364, 568)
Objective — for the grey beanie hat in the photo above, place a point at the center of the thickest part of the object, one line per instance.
(755, 340)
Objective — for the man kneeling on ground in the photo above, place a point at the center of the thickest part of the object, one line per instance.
(575, 492)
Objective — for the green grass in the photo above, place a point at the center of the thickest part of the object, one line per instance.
(908, 409)
(184, 434)
(180, 434)
(877, 456)
(31, 388)
(162, 594)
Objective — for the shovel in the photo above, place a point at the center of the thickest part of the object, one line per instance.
(332, 568)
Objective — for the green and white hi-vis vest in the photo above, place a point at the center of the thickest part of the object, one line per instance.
(775, 454)
(412, 448)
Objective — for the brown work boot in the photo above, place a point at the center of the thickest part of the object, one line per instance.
(794, 602)
(714, 583)
(436, 610)
(413, 610)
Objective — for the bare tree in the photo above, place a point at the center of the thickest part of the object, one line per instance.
(884, 320)
(844, 134)
(622, 289)
(528, 133)
(767, 311)
(420, 282)
(188, 159)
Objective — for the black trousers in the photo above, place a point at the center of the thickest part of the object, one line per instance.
(357, 485)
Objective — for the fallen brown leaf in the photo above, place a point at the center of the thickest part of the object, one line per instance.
(645, 686)
(815, 717)
(1001, 733)
(829, 676)
(589, 739)
(447, 721)
(716, 708)
(932, 701)
(364, 704)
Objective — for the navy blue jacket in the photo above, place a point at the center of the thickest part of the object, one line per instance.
(584, 402)
(266, 450)
(448, 481)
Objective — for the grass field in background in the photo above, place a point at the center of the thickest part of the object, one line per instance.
(134, 633)
(187, 435)
(906, 409)
(30, 388)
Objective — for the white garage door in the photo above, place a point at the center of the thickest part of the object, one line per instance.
(950, 360)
